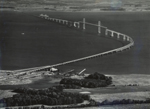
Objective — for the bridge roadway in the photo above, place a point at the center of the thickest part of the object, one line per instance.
(124, 37)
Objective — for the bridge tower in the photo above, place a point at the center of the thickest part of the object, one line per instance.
(83, 23)
(99, 27)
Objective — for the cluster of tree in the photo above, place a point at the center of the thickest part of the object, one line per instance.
(92, 81)
(57, 88)
(98, 76)
(113, 9)
(40, 91)
(50, 96)
(69, 86)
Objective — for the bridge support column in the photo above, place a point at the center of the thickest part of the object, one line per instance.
(128, 38)
(83, 23)
(59, 21)
(124, 37)
(118, 35)
(99, 27)
(112, 34)
(78, 25)
(74, 24)
(66, 22)
(106, 32)
(70, 24)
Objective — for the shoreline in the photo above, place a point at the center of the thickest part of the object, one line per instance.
(74, 11)
(122, 80)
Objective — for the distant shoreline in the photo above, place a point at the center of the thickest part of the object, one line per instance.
(50, 10)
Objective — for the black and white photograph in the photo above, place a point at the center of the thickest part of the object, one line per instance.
(74, 54)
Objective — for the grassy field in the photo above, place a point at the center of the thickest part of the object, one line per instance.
(120, 96)
(138, 79)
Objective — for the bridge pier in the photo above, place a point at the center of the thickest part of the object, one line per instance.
(59, 21)
(118, 35)
(46, 16)
(106, 32)
(112, 34)
(99, 27)
(128, 39)
(41, 15)
(83, 23)
(78, 25)
(63, 21)
(74, 24)
(124, 37)
(70, 24)
(66, 22)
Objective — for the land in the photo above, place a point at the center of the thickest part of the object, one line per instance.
(77, 5)
(127, 87)
(19, 78)
(6, 93)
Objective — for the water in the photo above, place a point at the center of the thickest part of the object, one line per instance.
(27, 41)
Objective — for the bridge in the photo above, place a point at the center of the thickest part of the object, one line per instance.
(101, 30)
